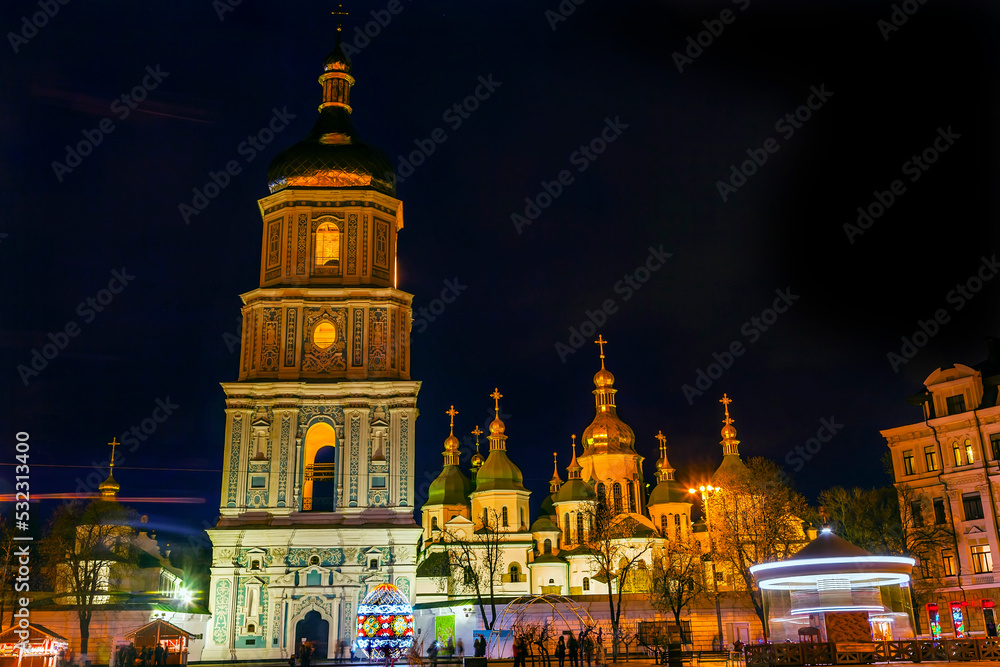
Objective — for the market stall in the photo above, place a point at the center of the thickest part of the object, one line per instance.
(172, 640)
(40, 648)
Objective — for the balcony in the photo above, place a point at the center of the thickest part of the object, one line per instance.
(513, 578)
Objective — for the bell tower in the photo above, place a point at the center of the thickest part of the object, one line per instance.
(317, 488)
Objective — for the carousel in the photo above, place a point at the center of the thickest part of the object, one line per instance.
(834, 591)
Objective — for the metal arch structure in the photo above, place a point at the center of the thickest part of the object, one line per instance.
(566, 609)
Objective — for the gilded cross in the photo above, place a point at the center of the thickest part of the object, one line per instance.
(340, 12)
(496, 396)
(451, 413)
(477, 432)
(601, 343)
(662, 438)
(114, 443)
(725, 400)
(574, 444)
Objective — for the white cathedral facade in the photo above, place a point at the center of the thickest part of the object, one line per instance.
(317, 487)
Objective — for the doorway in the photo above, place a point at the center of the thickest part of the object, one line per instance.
(314, 629)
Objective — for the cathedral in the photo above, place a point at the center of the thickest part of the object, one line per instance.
(317, 485)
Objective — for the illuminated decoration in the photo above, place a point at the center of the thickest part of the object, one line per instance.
(325, 334)
(958, 619)
(934, 618)
(839, 588)
(34, 645)
(385, 623)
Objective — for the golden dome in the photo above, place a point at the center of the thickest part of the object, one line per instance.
(496, 426)
(451, 443)
(109, 487)
(604, 378)
(608, 434)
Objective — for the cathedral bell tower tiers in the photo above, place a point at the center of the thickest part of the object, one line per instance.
(318, 485)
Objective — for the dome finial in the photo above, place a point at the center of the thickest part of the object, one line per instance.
(729, 442)
(574, 468)
(601, 343)
(451, 456)
(477, 458)
(340, 12)
(110, 487)
(496, 426)
(555, 482)
(664, 473)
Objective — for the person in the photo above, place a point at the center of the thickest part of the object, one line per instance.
(518, 652)
(561, 651)
(588, 649)
(291, 659)
(158, 655)
(131, 655)
(460, 647)
(574, 651)
(341, 648)
(354, 648)
(449, 648)
(432, 653)
(305, 652)
(991, 629)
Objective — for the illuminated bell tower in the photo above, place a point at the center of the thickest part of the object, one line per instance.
(317, 486)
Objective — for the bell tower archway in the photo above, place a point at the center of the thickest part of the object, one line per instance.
(319, 484)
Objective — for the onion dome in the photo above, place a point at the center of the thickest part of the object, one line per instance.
(607, 434)
(333, 155)
(451, 487)
(575, 488)
(110, 487)
(667, 490)
(731, 462)
(477, 458)
(498, 472)
(544, 524)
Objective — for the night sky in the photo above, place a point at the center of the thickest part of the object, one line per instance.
(863, 99)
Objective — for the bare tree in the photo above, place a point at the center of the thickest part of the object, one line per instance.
(476, 562)
(677, 578)
(90, 550)
(615, 547)
(8, 566)
(755, 518)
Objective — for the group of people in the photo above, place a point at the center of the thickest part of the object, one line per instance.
(585, 648)
(148, 656)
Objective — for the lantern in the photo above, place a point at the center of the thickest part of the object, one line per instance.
(385, 623)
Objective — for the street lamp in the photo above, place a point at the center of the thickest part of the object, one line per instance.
(706, 491)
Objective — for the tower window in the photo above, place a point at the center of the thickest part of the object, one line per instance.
(503, 517)
(314, 560)
(677, 525)
(434, 523)
(617, 491)
(601, 493)
(566, 538)
(664, 526)
(955, 404)
(258, 482)
(327, 245)
(373, 563)
(631, 498)
(378, 482)
(586, 583)
(255, 565)
(547, 547)
(324, 335)
(579, 528)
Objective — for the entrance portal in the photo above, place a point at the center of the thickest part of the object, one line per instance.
(315, 630)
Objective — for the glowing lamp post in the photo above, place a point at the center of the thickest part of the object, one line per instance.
(385, 623)
(706, 491)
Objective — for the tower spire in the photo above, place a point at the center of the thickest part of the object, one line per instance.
(109, 487)
(555, 482)
(496, 437)
(730, 445)
(573, 469)
(664, 473)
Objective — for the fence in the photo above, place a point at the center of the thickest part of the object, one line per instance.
(862, 653)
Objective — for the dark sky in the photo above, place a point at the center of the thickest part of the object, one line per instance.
(887, 95)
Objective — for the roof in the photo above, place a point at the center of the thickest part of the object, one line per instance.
(435, 565)
(544, 524)
(668, 491)
(35, 631)
(731, 465)
(499, 473)
(575, 489)
(159, 628)
(451, 487)
(828, 545)
(545, 559)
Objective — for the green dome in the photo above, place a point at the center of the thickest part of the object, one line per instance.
(499, 474)
(668, 491)
(451, 487)
(575, 489)
(544, 524)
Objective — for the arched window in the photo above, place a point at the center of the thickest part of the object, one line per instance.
(251, 628)
(601, 494)
(566, 537)
(547, 547)
(434, 523)
(969, 456)
(319, 483)
(515, 573)
(631, 498)
(677, 525)
(586, 583)
(503, 516)
(617, 491)
(520, 515)
(580, 537)
(664, 526)
(327, 245)
(957, 451)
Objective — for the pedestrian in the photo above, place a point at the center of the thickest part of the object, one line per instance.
(130, 655)
(158, 655)
(449, 648)
(561, 650)
(354, 647)
(518, 652)
(588, 649)
(305, 653)
(341, 649)
(460, 646)
(432, 652)
(574, 651)
(291, 659)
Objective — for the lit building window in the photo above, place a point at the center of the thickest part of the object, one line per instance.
(973, 506)
(908, 463)
(579, 528)
(930, 459)
(995, 445)
(957, 451)
(982, 562)
(955, 404)
(324, 335)
(948, 564)
(503, 517)
(631, 498)
(969, 456)
(664, 526)
(617, 491)
(566, 539)
(327, 245)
